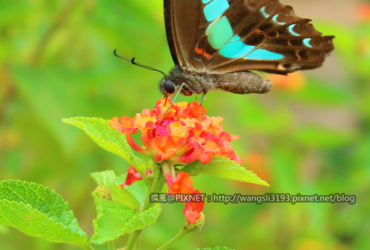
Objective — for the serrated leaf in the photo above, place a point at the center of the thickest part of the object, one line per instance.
(109, 139)
(115, 220)
(120, 195)
(224, 168)
(37, 211)
(143, 219)
(111, 217)
(139, 190)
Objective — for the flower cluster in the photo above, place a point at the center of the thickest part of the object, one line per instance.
(178, 134)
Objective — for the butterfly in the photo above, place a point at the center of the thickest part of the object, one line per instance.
(215, 43)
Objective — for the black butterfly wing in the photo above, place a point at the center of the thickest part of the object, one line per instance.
(221, 36)
(183, 19)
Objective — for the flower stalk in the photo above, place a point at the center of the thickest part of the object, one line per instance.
(188, 228)
(175, 239)
(155, 187)
(111, 245)
(133, 240)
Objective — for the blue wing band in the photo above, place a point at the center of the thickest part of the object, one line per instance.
(221, 36)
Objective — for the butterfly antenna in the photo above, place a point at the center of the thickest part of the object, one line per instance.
(139, 64)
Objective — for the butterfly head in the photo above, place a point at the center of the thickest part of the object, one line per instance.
(167, 87)
(177, 80)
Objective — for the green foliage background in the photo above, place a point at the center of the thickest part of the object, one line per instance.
(56, 61)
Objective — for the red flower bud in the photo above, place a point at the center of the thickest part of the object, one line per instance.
(133, 176)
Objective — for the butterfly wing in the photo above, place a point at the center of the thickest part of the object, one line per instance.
(222, 36)
(183, 19)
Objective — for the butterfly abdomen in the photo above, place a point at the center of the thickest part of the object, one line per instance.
(244, 82)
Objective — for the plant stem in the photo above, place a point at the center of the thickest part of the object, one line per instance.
(175, 239)
(156, 187)
(111, 245)
(131, 244)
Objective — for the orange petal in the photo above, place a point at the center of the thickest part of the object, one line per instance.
(134, 145)
(196, 111)
(141, 121)
(114, 123)
(216, 121)
(177, 129)
(182, 185)
(193, 209)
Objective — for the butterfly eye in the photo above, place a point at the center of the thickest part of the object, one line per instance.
(169, 87)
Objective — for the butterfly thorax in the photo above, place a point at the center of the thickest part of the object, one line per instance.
(244, 82)
(194, 83)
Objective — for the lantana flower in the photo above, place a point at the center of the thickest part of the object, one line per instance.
(177, 134)
(180, 135)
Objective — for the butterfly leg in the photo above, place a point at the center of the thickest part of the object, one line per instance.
(200, 105)
(178, 92)
(203, 98)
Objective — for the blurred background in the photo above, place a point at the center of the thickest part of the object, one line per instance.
(309, 135)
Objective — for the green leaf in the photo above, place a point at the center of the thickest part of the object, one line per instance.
(143, 219)
(37, 211)
(109, 139)
(215, 248)
(111, 217)
(224, 168)
(139, 190)
(119, 194)
(115, 220)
